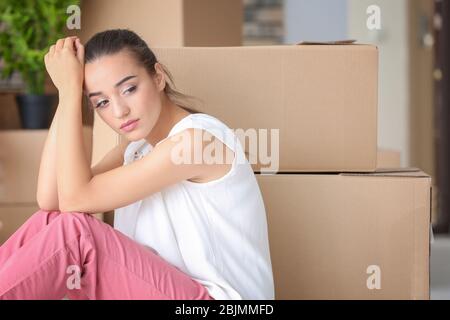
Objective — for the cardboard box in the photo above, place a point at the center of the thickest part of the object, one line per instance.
(168, 23)
(322, 99)
(12, 217)
(388, 158)
(349, 236)
(20, 158)
(434, 205)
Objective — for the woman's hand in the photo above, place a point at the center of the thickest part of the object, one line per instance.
(65, 64)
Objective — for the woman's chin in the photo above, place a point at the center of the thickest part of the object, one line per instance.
(134, 135)
(132, 138)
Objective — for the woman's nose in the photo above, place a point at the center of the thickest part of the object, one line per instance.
(120, 110)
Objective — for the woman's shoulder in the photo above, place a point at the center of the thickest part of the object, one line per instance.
(206, 119)
(209, 123)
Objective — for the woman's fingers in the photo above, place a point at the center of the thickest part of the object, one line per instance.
(72, 43)
(59, 44)
(63, 42)
(68, 43)
(80, 50)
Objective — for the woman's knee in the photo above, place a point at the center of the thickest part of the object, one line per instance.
(45, 214)
(72, 216)
(72, 221)
(45, 211)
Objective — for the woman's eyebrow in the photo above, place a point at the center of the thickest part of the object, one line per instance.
(115, 86)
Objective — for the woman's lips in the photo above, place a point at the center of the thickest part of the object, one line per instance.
(130, 126)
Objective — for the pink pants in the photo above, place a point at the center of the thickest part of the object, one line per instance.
(73, 254)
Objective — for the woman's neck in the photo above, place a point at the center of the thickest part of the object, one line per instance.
(170, 115)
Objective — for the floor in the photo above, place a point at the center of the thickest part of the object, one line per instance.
(440, 268)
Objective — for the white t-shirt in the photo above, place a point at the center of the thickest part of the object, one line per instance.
(216, 232)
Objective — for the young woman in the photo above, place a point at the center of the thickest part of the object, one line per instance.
(183, 229)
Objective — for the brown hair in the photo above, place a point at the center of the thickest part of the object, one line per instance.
(114, 40)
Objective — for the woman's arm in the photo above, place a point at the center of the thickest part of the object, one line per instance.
(72, 168)
(47, 192)
(113, 159)
(47, 189)
(171, 161)
(65, 65)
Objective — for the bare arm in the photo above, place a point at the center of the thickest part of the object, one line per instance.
(47, 190)
(127, 184)
(112, 160)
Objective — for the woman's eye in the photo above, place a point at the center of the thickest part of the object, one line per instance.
(130, 89)
(100, 103)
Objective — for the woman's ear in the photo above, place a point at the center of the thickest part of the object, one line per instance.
(160, 77)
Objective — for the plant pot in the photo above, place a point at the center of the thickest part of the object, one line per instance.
(35, 110)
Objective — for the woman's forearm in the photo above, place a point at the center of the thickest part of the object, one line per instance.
(47, 186)
(47, 189)
(73, 168)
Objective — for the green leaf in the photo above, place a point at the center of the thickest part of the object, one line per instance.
(30, 28)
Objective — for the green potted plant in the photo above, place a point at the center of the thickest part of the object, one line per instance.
(27, 30)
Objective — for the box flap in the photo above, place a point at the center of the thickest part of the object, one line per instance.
(379, 172)
(349, 42)
(392, 172)
(337, 42)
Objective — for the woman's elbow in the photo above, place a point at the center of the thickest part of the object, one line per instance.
(45, 203)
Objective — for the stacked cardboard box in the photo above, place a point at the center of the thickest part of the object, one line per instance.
(20, 157)
(388, 158)
(339, 226)
(323, 106)
(349, 236)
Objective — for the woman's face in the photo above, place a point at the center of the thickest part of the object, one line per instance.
(120, 90)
